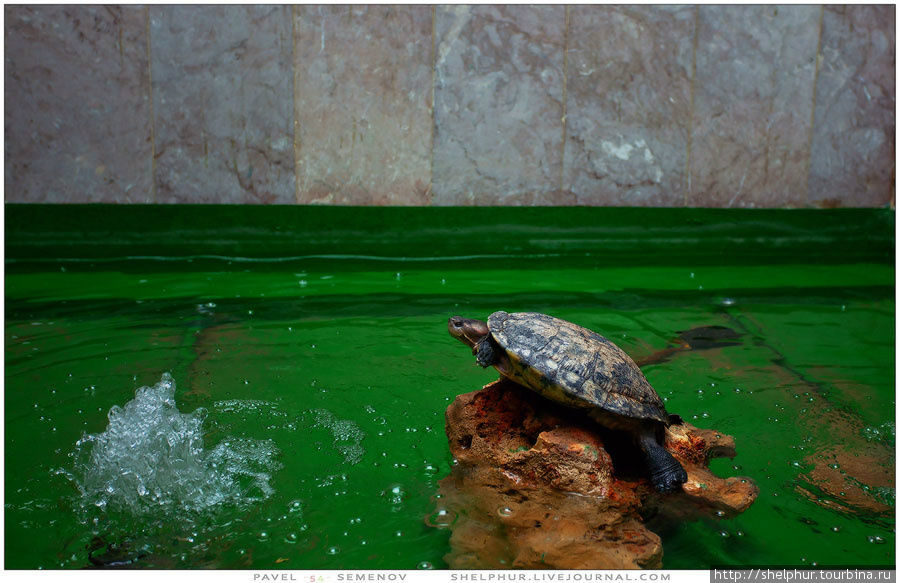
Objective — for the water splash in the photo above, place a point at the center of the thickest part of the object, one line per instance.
(150, 463)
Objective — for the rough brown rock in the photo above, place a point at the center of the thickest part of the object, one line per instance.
(539, 486)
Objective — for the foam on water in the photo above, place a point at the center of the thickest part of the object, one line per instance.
(347, 435)
(151, 461)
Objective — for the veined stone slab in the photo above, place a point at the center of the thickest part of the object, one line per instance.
(753, 98)
(853, 142)
(498, 104)
(629, 104)
(222, 100)
(363, 95)
(77, 104)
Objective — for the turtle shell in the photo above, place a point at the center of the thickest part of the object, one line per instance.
(573, 365)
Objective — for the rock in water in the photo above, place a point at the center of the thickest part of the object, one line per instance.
(540, 486)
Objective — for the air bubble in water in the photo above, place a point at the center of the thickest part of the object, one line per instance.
(440, 518)
(396, 494)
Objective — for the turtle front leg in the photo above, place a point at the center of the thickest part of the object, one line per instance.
(484, 352)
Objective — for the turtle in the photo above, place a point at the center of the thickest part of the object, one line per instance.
(581, 369)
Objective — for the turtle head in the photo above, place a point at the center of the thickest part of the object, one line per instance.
(467, 330)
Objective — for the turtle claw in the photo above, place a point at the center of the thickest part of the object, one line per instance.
(670, 480)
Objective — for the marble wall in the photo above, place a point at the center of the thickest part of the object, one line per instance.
(719, 106)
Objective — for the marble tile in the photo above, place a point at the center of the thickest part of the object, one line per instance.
(853, 141)
(414, 105)
(753, 96)
(498, 104)
(222, 99)
(77, 112)
(628, 104)
(363, 104)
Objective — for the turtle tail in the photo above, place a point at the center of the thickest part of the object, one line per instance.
(666, 473)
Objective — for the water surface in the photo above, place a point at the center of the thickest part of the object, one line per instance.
(305, 428)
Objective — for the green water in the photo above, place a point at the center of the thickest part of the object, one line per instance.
(341, 359)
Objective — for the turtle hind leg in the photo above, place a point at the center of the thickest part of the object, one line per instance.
(666, 474)
(485, 354)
